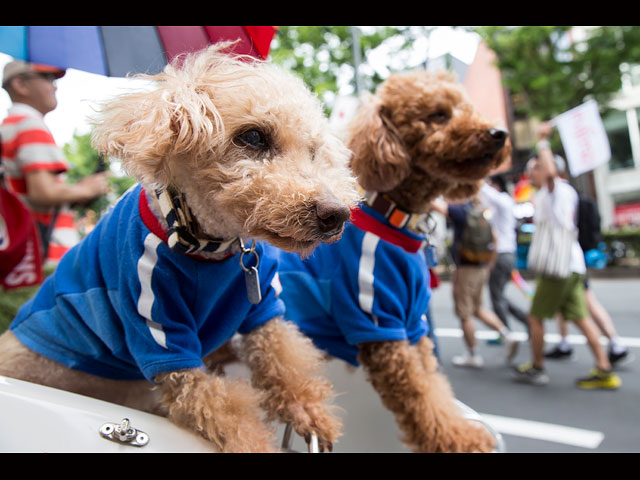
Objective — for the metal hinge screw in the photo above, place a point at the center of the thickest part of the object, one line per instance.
(124, 433)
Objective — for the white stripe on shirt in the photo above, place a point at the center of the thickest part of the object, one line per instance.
(146, 264)
(276, 284)
(365, 271)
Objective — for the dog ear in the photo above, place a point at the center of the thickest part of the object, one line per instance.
(380, 160)
(145, 130)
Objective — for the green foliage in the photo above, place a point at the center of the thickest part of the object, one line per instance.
(548, 70)
(323, 55)
(84, 160)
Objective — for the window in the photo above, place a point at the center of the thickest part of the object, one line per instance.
(615, 123)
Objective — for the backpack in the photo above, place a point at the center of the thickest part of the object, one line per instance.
(589, 233)
(478, 243)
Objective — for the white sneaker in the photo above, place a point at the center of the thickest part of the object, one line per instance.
(466, 360)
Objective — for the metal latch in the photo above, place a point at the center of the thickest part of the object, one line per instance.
(124, 433)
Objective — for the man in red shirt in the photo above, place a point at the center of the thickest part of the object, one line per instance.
(32, 161)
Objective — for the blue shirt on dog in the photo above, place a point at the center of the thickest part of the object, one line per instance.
(371, 285)
(122, 305)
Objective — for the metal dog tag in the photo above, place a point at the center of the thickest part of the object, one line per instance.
(252, 280)
(431, 254)
(251, 277)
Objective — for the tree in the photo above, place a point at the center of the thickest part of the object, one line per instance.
(549, 69)
(323, 56)
(85, 160)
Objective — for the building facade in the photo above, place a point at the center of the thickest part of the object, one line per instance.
(617, 183)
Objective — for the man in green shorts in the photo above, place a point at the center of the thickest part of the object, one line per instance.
(556, 201)
(563, 295)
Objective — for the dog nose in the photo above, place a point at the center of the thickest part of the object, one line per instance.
(331, 215)
(499, 136)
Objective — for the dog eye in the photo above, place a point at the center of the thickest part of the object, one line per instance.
(439, 116)
(253, 138)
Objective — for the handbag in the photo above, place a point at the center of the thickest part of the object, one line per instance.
(550, 250)
(20, 258)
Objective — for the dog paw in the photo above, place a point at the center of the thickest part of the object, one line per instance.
(247, 437)
(224, 411)
(471, 437)
(238, 435)
(309, 419)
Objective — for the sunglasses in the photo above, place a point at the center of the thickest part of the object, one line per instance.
(49, 77)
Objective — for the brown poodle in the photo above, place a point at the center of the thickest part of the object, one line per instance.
(364, 298)
(225, 149)
(419, 138)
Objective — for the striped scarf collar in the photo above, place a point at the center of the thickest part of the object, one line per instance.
(184, 234)
(184, 237)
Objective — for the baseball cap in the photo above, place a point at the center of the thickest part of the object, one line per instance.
(19, 67)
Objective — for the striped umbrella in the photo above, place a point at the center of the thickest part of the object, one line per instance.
(117, 51)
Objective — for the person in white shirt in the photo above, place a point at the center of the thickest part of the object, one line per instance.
(556, 202)
(494, 195)
(618, 352)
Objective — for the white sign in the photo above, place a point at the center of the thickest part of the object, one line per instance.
(583, 137)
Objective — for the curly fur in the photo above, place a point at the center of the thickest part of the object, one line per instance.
(288, 368)
(416, 139)
(420, 398)
(224, 411)
(419, 138)
(188, 133)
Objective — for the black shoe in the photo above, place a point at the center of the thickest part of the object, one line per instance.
(619, 359)
(559, 354)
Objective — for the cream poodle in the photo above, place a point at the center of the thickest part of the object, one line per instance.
(234, 158)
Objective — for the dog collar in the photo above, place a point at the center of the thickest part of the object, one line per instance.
(397, 217)
(180, 237)
(365, 219)
(184, 234)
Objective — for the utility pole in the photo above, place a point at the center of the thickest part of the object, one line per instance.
(355, 38)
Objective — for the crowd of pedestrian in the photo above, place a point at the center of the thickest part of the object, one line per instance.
(563, 296)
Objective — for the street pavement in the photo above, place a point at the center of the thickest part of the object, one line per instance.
(556, 418)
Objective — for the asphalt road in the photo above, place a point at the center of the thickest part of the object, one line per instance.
(556, 418)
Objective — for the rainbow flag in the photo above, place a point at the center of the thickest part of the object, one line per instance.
(523, 191)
